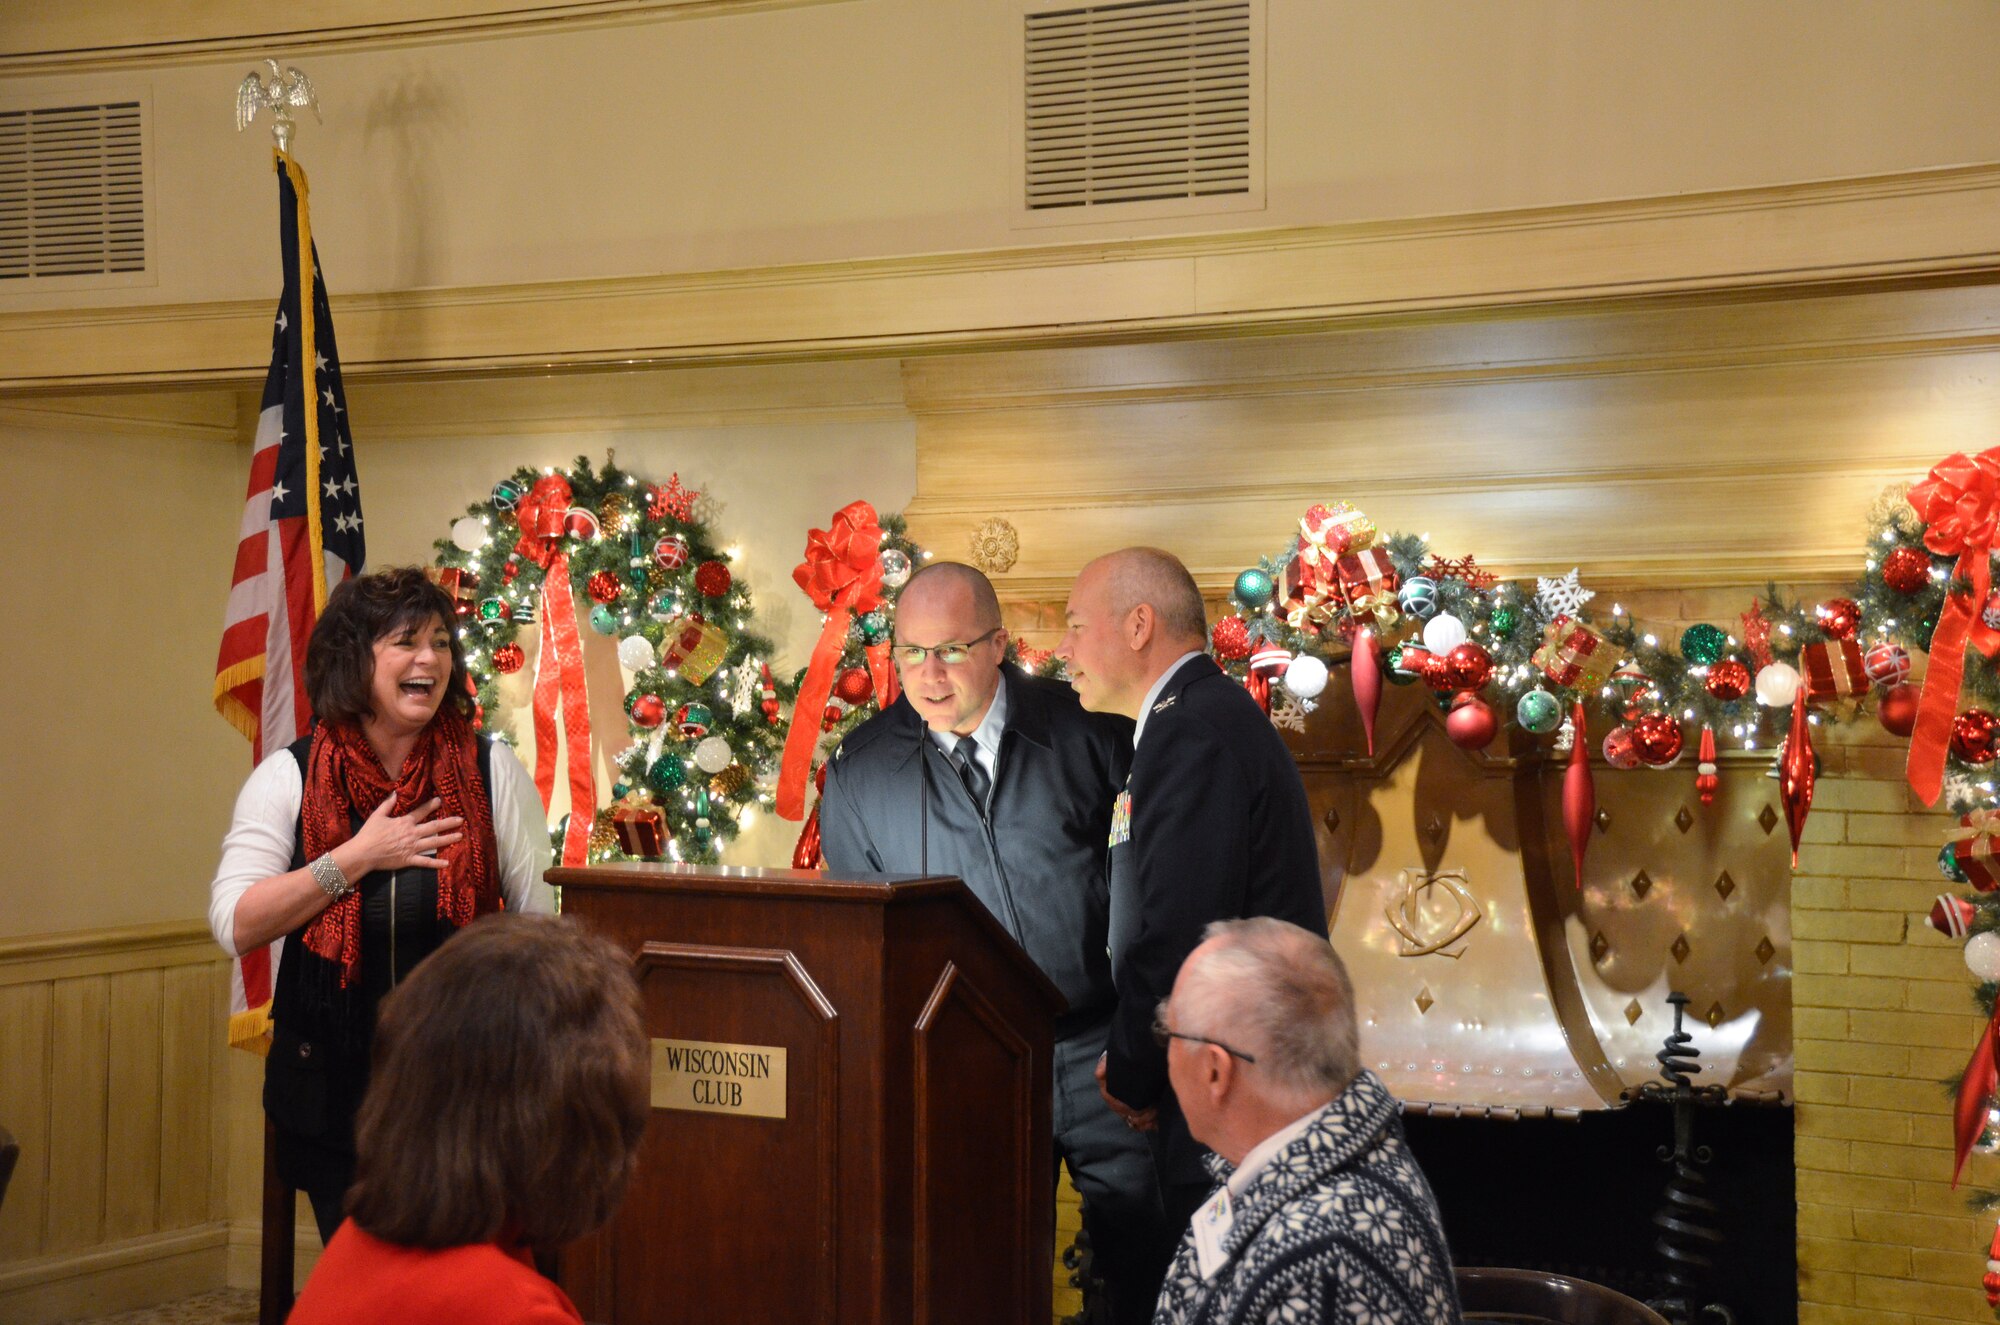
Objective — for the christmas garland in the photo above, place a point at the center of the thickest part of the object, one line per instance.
(705, 712)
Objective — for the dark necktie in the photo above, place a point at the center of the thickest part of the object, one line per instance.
(965, 758)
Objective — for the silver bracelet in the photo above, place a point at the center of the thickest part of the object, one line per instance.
(329, 877)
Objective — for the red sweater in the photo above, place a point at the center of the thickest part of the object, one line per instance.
(362, 1280)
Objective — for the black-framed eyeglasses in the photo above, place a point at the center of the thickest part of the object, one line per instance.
(951, 655)
(1161, 1035)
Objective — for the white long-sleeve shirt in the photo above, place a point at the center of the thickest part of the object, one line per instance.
(265, 828)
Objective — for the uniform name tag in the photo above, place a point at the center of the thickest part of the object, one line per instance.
(1121, 818)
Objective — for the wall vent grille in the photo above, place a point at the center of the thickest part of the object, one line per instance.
(1138, 102)
(72, 191)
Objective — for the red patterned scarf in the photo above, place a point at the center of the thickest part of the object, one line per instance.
(345, 781)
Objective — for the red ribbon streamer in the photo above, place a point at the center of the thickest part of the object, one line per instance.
(559, 683)
(842, 574)
(1975, 1097)
(807, 854)
(1959, 504)
(887, 686)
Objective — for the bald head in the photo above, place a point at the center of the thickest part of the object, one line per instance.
(1155, 578)
(1132, 614)
(942, 581)
(945, 604)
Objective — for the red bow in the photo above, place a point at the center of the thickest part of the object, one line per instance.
(842, 574)
(1960, 506)
(843, 565)
(541, 514)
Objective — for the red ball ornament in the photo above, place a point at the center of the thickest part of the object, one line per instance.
(855, 685)
(1898, 714)
(1232, 638)
(1728, 680)
(509, 659)
(1471, 724)
(604, 587)
(1657, 738)
(648, 711)
(511, 569)
(1906, 570)
(1471, 666)
(1839, 617)
(1952, 916)
(579, 523)
(1975, 736)
(1887, 664)
(1620, 749)
(831, 716)
(711, 579)
(671, 552)
(1438, 672)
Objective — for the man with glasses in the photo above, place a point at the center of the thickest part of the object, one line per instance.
(1212, 825)
(1002, 779)
(1322, 1214)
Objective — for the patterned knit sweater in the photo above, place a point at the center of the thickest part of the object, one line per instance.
(1339, 1226)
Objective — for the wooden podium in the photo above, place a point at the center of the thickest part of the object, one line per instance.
(850, 1117)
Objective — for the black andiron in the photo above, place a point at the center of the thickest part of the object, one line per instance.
(1686, 1218)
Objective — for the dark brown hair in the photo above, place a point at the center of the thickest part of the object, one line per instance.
(340, 657)
(510, 1090)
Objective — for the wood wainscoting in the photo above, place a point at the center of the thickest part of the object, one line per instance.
(111, 1074)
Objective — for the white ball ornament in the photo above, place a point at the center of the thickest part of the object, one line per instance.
(713, 754)
(1443, 633)
(1305, 676)
(635, 653)
(896, 567)
(1982, 955)
(1777, 685)
(468, 534)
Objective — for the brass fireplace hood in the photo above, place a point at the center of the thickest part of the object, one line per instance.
(1487, 983)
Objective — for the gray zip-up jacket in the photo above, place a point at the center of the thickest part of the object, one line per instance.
(1037, 858)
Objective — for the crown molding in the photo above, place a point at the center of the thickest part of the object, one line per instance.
(122, 35)
(1813, 237)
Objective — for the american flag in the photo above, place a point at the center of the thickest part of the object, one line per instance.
(301, 534)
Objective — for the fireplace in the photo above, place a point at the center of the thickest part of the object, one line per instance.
(1519, 1017)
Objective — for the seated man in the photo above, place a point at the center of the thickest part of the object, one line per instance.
(1323, 1216)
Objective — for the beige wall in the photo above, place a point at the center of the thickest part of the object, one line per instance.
(886, 127)
(118, 776)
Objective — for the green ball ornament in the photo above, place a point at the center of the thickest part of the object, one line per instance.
(668, 773)
(1503, 621)
(1948, 863)
(603, 620)
(620, 789)
(1254, 589)
(507, 494)
(874, 627)
(1418, 597)
(1392, 663)
(1703, 644)
(1539, 712)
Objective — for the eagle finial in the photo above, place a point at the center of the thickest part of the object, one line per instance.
(285, 88)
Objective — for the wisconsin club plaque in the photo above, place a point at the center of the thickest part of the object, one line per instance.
(705, 1077)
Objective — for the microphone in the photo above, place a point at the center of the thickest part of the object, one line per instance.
(924, 802)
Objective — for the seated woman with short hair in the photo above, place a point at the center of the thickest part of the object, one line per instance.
(509, 1095)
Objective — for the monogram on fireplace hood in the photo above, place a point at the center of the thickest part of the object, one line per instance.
(1487, 983)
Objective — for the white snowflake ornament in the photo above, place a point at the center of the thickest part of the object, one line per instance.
(1561, 595)
(1289, 713)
